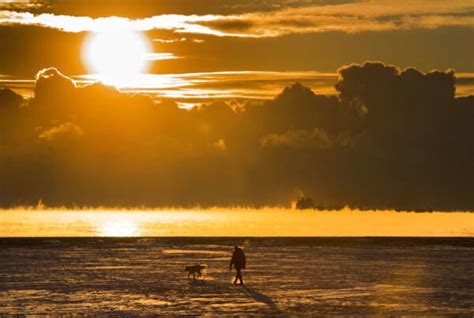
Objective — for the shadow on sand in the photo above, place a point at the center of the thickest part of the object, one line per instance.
(260, 297)
(221, 287)
(249, 291)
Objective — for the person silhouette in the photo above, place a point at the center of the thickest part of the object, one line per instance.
(238, 261)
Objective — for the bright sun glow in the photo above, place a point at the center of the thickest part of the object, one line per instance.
(119, 228)
(117, 56)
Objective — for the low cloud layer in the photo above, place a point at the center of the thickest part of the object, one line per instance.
(390, 138)
(190, 89)
(351, 17)
(193, 88)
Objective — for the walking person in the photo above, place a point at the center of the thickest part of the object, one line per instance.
(238, 262)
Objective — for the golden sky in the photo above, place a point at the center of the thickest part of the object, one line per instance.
(236, 49)
(366, 103)
(238, 35)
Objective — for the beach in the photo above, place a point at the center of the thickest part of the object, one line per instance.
(142, 276)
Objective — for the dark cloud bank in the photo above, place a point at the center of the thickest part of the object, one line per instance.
(389, 139)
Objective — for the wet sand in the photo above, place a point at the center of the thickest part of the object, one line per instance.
(285, 276)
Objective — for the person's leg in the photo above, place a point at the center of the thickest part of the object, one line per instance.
(239, 275)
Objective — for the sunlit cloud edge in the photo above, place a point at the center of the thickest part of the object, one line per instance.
(347, 17)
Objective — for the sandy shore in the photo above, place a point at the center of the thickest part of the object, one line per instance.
(145, 276)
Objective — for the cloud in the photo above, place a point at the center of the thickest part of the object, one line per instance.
(195, 88)
(9, 100)
(161, 56)
(349, 17)
(166, 41)
(390, 138)
(191, 89)
(25, 5)
(393, 97)
(219, 145)
(304, 139)
(179, 40)
(177, 23)
(52, 86)
(63, 131)
(146, 8)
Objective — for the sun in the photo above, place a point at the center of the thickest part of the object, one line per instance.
(116, 55)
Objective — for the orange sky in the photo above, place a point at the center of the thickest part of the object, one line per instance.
(361, 103)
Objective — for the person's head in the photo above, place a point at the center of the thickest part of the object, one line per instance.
(236, 248)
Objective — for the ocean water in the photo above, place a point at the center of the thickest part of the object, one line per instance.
(285, 276)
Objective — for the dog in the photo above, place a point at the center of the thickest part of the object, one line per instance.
(194, 270)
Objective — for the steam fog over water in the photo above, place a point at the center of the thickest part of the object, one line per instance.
(231, 222)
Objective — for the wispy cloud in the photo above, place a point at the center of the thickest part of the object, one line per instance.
(177, 23)
(192, 88)
(350, 17)
(178, 40)
(347, 17)
(170, 40)
(198, 87)
(20, 4)
(161, 56)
